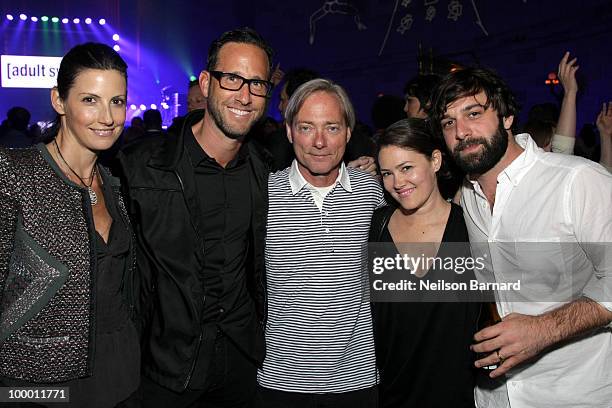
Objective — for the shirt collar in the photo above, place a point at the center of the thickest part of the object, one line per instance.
(198, 155)
(298, 182)
(519, 166)
(516, 170)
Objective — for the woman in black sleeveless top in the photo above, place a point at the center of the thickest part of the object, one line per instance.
(422, 344)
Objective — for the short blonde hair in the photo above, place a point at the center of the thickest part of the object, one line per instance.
(320, 85)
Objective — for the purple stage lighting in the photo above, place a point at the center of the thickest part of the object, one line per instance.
(102, 21)
(143, 107)
(34, 19)
(115, 37)
(153, 106)
(9, 17)
(65, 20)
(116, 47)
(76, 20)
(88, 20)
(23, 17)
(133, 107)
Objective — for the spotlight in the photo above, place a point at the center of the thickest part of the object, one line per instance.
(102, 21)
(54, 19)
(192, 78)
(23, 17)
(143, 107)
(76, 20)
(116, 47)
(34, 19)
(153, 106)
(65, 20)
(133, 107)
(88, 20)
(44, 18)
(165, 105)
(115, 37)
(9, 17)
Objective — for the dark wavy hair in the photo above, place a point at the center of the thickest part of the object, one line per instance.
(80, 58)
(243, 35)
(414, 134)
(469, 82)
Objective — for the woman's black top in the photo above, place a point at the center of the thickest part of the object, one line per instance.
(422, 348)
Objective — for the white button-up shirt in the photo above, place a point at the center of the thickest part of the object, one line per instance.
(550, 228)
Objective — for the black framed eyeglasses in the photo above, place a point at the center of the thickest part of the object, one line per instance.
(234, 82)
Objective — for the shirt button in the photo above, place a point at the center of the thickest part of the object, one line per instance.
(327, 230)
(221, 310)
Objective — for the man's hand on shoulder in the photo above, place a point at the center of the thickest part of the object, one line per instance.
(365, 163)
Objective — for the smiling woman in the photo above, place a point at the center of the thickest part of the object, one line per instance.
(415, 339)
(66, 253)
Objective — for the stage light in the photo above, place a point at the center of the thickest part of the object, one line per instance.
(116, 47)
(143, 107)
(54, 19)
(34, 19)
(153, 106)
(133, 107)
(88, 20)
(192, 78)
(102, 21)
(165, 105)
(23, 17)
(115, 37)
(65, 20)
(9, 17)
(44, 18)
(76, 20)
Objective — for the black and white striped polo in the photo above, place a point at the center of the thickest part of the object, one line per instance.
(319, 330)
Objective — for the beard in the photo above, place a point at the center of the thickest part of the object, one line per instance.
(230, 131)
(493, 149)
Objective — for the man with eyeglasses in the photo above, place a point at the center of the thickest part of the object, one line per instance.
(198, 200)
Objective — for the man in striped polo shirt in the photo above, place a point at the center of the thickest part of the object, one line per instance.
(319, 343)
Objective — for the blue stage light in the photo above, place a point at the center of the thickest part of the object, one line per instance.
(65, 20)
(153, 106)
(116, 47)
(44, 18)
(133, 107)
(34, 19)
(115, 37)
(102, 21)
(88, 20)
(143, 107)
(76, 20)
(23, 17)
(9, 17)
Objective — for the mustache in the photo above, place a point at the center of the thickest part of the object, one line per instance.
(464, 144)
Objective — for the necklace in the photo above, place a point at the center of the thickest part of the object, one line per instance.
(93, 197)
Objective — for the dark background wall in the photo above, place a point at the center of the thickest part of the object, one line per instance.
(165, 42)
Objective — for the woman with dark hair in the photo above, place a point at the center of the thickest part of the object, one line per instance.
(422, 344)
(66, 251)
